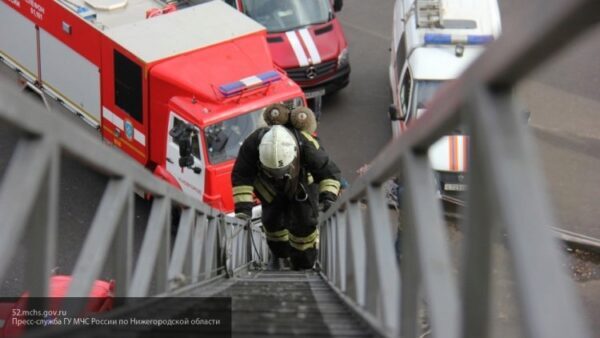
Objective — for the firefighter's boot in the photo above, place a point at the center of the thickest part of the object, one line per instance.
(273, 264)
(286, 264)
(303, 260)
(279, 264)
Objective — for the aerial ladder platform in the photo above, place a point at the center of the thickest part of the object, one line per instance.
(370, 281)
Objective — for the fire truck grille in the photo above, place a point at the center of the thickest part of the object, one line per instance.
(306, 74)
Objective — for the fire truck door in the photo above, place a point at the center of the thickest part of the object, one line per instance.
(18, 41)
(191, 179)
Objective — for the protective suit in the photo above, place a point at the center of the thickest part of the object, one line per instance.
(288, 170)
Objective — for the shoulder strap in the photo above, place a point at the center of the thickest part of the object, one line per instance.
(262, 133)
(299, 141)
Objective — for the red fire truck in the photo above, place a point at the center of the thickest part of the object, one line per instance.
(178, 89)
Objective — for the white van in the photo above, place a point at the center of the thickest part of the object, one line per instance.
(435, 41)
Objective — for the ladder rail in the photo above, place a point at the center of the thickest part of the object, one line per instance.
(215, 243)
(503, 169)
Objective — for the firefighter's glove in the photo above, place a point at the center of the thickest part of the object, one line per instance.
(326, 200)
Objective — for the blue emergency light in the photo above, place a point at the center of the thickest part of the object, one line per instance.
(455, 39)
(250, 82)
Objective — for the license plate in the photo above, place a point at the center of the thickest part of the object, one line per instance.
(313, 94)
(455, 187)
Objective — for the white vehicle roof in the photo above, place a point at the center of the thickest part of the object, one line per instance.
(172, 33)
(484, 12)
(439, 62)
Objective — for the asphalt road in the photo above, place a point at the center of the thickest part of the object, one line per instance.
(563, 96)
(354, 124)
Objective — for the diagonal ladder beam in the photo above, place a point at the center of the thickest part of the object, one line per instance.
(111, 215)
(33, 176)
(158, 235)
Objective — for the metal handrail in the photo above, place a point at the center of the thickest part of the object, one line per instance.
(357, 253)
(208, 243)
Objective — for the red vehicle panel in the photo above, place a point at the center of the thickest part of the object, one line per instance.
(306, 39)
(51, 15)
(138, 80)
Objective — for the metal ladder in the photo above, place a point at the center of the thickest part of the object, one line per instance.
(263, 303)
(359, 273)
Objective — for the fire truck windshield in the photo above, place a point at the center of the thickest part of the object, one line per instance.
(223, 139)
(285, 15)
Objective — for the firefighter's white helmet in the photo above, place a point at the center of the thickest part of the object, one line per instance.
(278, 149)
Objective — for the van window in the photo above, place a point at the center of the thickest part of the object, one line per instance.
(287, 15)
(128, 86)
(405, 92)
(459, 24)
(400, 56)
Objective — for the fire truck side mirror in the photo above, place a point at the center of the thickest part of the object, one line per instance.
(185, 147)
(182, 135)
(337, 5)
(186, 161)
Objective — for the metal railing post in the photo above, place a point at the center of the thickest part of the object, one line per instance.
(210, 247)
(382, 268)
(425, 228)
(340, 253)
(356, 254)
(476, 278)
(180, 265)
(122, 254)
(333, 244)
(199, 242)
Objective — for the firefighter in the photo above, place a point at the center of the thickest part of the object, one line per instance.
(292, 175)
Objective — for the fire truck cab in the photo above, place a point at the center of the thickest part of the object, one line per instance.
(306, 40)
(176, 89)
(433, 42)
